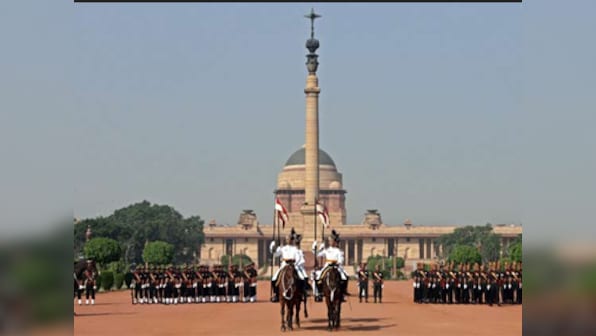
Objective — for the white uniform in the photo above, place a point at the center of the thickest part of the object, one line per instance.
(287, 252)
(300, 264)
(333, 255)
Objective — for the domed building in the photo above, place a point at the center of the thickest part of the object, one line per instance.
(310, 177)
(291, 189)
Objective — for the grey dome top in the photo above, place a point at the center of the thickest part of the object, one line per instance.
(298, 158)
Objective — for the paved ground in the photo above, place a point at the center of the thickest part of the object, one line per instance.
(114, 314)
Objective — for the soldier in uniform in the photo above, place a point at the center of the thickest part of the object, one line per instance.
(434, 284)
(190, 283)
(214, 290)
(289, 255)
(467, 284)
(90, 286)
(231, 277)
(161, 284)
(483, 282)
(518, 294)
(461, 273)
(507, 284)
(476, 286)
(457, 289)
(378, 284)
(450, 285)
(222, 277)
(415, 283)
(137, 284)
(169, 285)
(252, 280)
(502, 280)
(363, 282)
(152, 283)
(492, 289)
(334, 256)
(206, 284)
(300, 261)
(442, 284)
(419, 276)
(146, 284)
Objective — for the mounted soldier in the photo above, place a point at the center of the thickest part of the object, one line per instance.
(333, 257)
(289, 255)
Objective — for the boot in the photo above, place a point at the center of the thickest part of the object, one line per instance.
(344, 290)
(307, 290)
(319, 296)
(275, 297)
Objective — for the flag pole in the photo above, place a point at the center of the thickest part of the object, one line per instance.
(278, 239)
(315, 251)
(273, 239)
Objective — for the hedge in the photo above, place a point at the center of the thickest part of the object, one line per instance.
(107, 280)
(118, 280)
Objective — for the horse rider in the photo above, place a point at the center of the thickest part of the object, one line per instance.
(333, 257)
(289, 255)
(300, 261)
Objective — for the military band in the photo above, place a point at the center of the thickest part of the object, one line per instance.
(187, 284)
(492, 284)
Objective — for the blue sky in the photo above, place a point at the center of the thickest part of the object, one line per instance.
(442, 113)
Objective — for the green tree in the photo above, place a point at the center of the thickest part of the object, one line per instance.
(137, 224)
(515, 252)
(158, 253)
(103, 250)
(465, 254)
(480, 237)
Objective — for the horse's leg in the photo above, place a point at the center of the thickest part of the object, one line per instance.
(338, 314)
(298, 300)
(283, 311)
(329, 315)
(290, 314)
(305, 304)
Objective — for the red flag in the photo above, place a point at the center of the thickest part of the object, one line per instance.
(281, 211)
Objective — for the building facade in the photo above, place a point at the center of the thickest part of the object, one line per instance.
(310, 176)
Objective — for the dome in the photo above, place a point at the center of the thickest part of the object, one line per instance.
(298, 158)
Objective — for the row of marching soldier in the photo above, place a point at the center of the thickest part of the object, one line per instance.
(480, 284)
(199, 284)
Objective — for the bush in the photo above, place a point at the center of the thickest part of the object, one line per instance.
(118, 280)
(98, 281)
(158, 253)
(107, 280)
(128, 279)
(237, 259)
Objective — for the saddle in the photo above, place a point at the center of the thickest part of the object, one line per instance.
(282, 272)
(326, 270)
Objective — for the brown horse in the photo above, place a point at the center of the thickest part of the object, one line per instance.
(333, 296)
(290, 296)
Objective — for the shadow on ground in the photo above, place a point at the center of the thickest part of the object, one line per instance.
(103, 314)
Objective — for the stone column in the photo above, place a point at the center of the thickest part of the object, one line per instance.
(311, 182)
